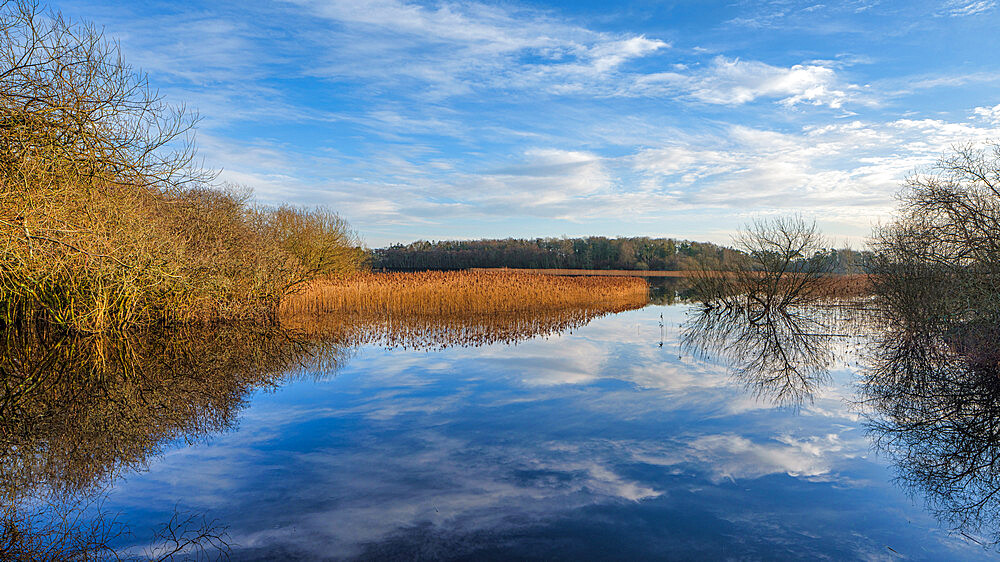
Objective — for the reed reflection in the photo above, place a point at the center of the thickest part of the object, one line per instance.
(444, 330)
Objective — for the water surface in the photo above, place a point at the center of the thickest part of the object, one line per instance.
(627, 437)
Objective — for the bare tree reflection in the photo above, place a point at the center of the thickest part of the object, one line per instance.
(933, 406)
(780, 354)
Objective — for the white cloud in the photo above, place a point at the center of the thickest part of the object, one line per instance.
(990, 114)
(735, 82)
(458, 48)
(736, 457)
(610, 55)
(548, 176)
(838, 168)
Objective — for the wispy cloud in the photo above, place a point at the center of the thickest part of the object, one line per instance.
(963, 8)
(431, 119)
(460, 48)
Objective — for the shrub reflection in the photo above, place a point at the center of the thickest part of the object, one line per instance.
(932, 398)
(76, 411)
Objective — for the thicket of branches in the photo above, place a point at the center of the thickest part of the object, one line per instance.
(940, 259)
(932, 388)
(105, 221)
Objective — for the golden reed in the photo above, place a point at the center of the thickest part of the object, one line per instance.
(461, 292)
(443, 309)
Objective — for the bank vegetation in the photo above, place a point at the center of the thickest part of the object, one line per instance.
(106, 220)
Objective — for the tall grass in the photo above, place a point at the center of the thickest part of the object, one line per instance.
(461, 292)
(442, 309)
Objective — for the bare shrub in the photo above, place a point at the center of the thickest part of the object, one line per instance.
(320, 240)
(104, 220)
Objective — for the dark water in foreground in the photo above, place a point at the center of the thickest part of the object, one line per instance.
(629, 437)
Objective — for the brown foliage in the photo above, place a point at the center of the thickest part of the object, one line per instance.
(104, 221)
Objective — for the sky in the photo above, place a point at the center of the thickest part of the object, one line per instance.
(456, 120)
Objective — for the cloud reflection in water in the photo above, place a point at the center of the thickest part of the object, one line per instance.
(599, 443)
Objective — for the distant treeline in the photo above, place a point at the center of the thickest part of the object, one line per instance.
(593, 252)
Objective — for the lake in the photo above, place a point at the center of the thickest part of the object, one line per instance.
(652, 433)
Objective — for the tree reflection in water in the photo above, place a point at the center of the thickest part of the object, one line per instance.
(779, 354)
(77, 411)
(932, 399)
(929, 390)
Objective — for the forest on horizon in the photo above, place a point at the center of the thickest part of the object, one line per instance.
(592, 252)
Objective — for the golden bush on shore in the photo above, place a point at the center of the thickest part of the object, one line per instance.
(106, 220)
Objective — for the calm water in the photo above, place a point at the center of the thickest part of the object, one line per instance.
(652, 433)
(613, 441)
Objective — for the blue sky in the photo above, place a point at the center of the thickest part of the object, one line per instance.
(450, 120)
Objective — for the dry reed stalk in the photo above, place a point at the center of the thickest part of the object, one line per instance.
(439, 293)
(590, 272)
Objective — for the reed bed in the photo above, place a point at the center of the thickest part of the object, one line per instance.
(440, 293)
(592, 272)
(442, 309)
(849, 286)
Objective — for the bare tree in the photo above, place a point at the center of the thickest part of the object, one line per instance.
(68, 97)
(780, 266)
(940, 258)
